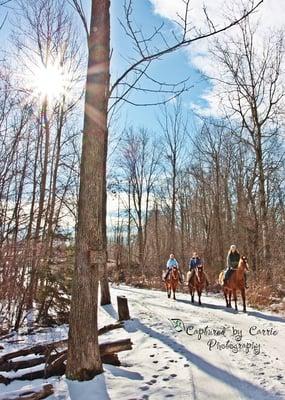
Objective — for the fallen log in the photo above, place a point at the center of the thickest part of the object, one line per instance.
(7, 335)
(115, 347)
(48, 347)
(16, 365)
(36, 393)
(56, 367)
(38, 349)
(111, 359)
(108, 328)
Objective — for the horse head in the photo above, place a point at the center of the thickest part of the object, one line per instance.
(175, 272)
(244, 263)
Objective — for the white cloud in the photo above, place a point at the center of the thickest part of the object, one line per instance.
(269, 15)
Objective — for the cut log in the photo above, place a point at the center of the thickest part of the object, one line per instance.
(115, 347)
(108, 328)
(53, 368)
(123, 309)
(15, 365)
(57, 366)
(35, 393)
(112, 359)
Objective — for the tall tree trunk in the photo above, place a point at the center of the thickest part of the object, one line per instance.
(84, 360)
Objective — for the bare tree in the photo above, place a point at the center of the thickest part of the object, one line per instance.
(256, 97)
(174, 129)
(83, 355)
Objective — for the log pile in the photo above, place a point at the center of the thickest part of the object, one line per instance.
(50, 360)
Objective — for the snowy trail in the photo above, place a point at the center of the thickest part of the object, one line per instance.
(202, 373)
(167, 363)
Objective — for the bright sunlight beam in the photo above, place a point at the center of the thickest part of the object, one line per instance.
(48, 82)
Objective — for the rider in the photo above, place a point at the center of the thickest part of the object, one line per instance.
(193, 264)
(172, 262)
(233, 258)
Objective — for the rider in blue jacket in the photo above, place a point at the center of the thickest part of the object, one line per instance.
(172, 262)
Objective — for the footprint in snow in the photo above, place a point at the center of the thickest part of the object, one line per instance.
(151, 382)
(144, 388)
(155, 376)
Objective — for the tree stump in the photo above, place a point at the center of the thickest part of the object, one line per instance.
(123, 308)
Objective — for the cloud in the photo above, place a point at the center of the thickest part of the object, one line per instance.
(269, 16)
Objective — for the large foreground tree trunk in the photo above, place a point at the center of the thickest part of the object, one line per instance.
(84, 360)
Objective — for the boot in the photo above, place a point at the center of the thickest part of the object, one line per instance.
(166, 275)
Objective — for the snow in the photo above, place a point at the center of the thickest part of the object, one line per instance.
(171, 356)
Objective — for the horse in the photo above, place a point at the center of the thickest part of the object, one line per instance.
(235, 282)
(198, 283)
(171, 282)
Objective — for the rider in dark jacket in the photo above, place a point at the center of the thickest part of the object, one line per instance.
(193, 264)
(232, 261)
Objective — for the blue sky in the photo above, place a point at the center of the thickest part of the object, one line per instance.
(172, 68)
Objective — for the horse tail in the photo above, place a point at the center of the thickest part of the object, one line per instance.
(221, 278)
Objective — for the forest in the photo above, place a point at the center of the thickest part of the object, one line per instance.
(84, 185)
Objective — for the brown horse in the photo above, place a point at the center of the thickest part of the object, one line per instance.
(198, 283)
(171, 282)
(234, 283)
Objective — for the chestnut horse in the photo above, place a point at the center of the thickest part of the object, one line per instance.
(171, 282)
(234, 283)
(198, 283)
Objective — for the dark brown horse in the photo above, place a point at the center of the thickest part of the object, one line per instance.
(171, 282)
(197, 282)
(235, 282)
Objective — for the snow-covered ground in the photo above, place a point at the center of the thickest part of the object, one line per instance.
(182, 351)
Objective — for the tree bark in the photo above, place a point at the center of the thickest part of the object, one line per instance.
(84, 360)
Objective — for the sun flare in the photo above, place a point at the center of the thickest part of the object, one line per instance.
(48, 82)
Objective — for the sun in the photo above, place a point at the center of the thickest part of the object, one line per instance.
(46, 82)
(49, 82)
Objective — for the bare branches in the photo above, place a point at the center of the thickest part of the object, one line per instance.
(77, 5)
(148, 55)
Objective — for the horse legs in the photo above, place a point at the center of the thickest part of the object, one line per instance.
(226, 297)
(243, 299)
(199, 296)
(230, 299)
(173, 290)
(235, 298)
(168, 292)
(191, 292)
